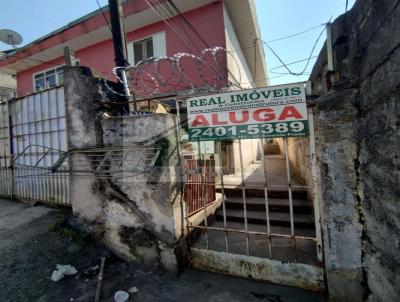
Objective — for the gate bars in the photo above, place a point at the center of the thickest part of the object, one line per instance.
(290, 186)
(36, 119)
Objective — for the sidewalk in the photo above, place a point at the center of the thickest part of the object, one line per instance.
(35, 245)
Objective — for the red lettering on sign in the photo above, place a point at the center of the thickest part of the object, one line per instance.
(200, 120)
(216, 121)
(264, 115)
(290, 112)
(233, 118)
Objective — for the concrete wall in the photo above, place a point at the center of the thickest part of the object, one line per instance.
(236, 60)
(299, 159)
(240, 72)
(137, 214)
(358, 142)
(8, 86)
(250, 153)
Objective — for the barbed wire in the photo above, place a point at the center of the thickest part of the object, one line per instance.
(182, 71)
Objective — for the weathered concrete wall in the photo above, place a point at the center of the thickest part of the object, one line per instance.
(134, 212)
(358, 143)
(250, 153)
(8, 86)
(149, 198)
(299, 159)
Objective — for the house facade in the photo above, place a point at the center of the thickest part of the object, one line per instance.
(229, 24)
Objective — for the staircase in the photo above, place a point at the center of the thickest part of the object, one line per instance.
(278, 200)
(279, 210)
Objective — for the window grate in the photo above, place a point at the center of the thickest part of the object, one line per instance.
(112, 162)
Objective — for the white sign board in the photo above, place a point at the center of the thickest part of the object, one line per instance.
(275, 111)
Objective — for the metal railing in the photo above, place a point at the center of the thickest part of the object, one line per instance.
(199, 184)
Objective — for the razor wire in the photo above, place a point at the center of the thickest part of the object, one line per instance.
(182, 72)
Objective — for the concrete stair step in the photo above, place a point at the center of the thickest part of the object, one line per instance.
(275, 205)
(278, 193)
(275, 229)
(258, 217)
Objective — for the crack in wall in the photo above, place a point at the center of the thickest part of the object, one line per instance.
(361, 216)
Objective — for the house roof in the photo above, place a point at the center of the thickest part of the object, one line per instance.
(92, 28)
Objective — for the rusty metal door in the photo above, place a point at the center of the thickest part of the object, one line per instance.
(199, 184)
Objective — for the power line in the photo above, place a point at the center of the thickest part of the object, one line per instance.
(291, 63)
(297, 34)
(308, 60)
(164, 19)
(198, 34)
(172, 14)
(166, 4)
(188, 22)
(110, 28)
(104, 16)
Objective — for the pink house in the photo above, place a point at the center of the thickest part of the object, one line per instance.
(230, 24)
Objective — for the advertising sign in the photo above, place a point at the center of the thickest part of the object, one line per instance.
(275, 111)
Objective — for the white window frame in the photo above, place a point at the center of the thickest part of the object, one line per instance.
(47, 70)
(159, 46)
(44, 72)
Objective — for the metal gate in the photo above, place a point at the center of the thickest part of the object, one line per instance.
(199, 184)
(265, 229)
(32, 137)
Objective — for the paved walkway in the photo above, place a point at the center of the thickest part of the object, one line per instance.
(20, 222)
(254, 174)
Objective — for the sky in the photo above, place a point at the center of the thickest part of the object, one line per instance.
(282, 18)
(277, 19)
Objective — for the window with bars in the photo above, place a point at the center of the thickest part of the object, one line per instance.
(49, 78)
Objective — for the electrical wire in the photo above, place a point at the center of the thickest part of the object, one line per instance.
(291, 63)
(172, 14)
(308, 60)
(297, 34)
(104, 16)
(111, 31)
(198, 34)
(169, 6)
(158, 12)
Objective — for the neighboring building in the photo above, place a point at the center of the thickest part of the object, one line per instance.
(8, 84)
(229, 24)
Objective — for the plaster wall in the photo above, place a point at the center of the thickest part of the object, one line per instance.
(237, 63)
(8, 86)
(358, 141)
(133, 209)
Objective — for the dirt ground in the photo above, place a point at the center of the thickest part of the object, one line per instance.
(34, 239)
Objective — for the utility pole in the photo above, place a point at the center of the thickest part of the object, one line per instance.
(118, 33)
(119, 41)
